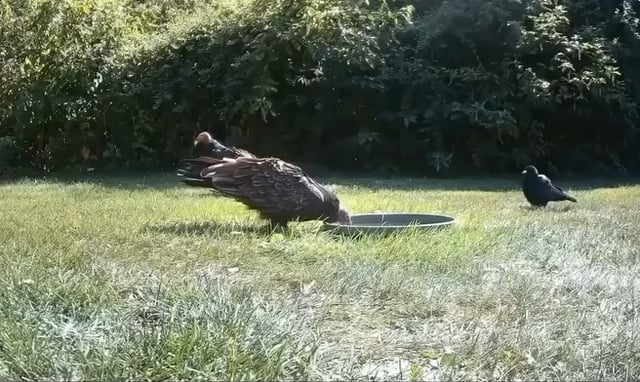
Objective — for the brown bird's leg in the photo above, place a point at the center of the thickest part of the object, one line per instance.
(278, 226)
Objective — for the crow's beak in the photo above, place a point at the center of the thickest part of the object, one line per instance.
(524, 172)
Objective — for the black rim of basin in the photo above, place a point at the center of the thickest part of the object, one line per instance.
(412, 220)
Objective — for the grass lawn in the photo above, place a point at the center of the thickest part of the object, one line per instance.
(145, 278)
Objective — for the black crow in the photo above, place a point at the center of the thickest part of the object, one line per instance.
(539, 190)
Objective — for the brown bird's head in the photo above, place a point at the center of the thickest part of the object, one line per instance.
(205, 143)
(343, 216)
(203, 137)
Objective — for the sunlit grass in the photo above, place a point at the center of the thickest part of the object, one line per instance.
(145, 278)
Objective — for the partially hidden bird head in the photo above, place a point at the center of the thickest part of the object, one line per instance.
(530, 170)
(343, 216)
(204, 143)
(203, 137)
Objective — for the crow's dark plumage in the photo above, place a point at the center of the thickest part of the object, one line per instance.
(279, 191)
(538, 189)
(205, 145)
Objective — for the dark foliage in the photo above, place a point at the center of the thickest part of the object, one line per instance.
(435, 87)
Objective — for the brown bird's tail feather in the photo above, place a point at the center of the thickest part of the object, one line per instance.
(191, 168)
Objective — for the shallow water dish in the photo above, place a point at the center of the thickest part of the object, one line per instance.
(387, 222)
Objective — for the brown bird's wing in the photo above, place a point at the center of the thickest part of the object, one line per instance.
(238, 152)
(190, 170)
(272, 186)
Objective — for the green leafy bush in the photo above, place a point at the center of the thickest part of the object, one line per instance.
(495, 85)
(448, 86)
(261, 69)
(55, 57)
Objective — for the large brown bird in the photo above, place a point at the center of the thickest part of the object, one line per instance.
(281, 192)
(205, 145)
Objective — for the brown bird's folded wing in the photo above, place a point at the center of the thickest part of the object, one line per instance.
(269, 185)
(241, 152)
(190, 170)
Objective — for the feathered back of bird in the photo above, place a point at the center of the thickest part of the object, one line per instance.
(279, 190)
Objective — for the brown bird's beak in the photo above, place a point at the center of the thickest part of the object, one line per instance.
(343, 217)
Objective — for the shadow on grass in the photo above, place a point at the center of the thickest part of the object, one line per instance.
(555, 208)
(208, 228)
(130, 181)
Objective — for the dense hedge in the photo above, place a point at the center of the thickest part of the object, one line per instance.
(435, 86)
